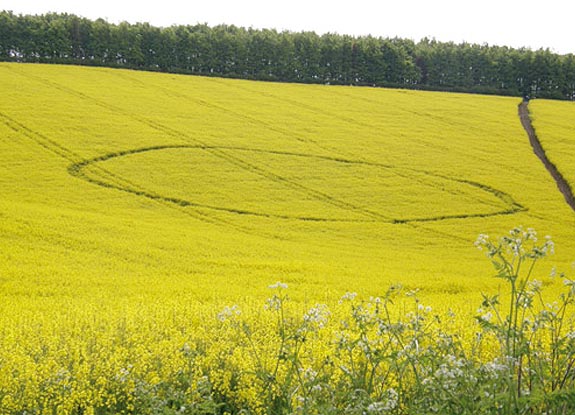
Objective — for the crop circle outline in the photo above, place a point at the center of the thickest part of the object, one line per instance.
(77, 170)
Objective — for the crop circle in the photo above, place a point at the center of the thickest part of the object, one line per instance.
(290, 185)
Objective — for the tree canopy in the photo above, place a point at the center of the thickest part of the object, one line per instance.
(305, 57)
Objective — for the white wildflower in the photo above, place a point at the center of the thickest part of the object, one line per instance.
(309, 374)
(229, 312)
(123, 375)
(375, 408)
(425, 309)
(482, 240)
(279, 285)
(494, 369)
(316, 388)
(274, 303)
(317, 315)
(389, 404)
(549, 246)
(535, 285)
(553, 272)
(348, 296)
(530, 234)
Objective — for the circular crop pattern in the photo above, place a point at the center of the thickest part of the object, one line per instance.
(289, 185)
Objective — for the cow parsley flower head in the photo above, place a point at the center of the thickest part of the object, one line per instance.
(348, 296)
(388, 404)
(273, 303)
(481, 241)
(317, 316)
(278, 285)
(229, 312)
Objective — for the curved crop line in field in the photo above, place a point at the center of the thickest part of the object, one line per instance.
(291, 134)
(323, 112)
(538, 149)
(246, 164)
(77, 170)
(288, 134)
(175, 134)
(237, 161)
(112, 179)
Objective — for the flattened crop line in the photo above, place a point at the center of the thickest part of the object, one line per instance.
(243, 164)
(53, 146)
(112, 108)
(297, 186)
(538, 149)
(76, 169)
(299, 104)
(215, 151)
(234, 160)
(113, 180)
(514, 207)
(38, 138)
(316, 110)
(415, 222)
(253, 168)
(427, 180)
(118, 181)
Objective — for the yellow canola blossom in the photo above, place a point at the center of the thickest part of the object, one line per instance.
(553, 122)
(135, 207)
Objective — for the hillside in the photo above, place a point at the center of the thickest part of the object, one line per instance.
(134, 206)
(327, 186)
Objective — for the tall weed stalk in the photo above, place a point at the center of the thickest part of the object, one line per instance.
(374, 359)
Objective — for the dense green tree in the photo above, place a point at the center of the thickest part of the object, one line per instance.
(286, 56)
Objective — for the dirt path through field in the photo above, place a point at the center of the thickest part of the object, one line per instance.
(562, 184)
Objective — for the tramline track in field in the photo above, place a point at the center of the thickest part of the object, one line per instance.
(539, 151)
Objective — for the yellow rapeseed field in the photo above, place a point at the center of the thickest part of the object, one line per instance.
(134, 207)
(553, 121)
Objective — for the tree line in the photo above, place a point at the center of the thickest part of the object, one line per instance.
(305, 57)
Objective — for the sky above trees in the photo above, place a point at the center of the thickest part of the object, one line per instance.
(526, 23)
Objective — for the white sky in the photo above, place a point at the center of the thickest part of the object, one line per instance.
(517, 23)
